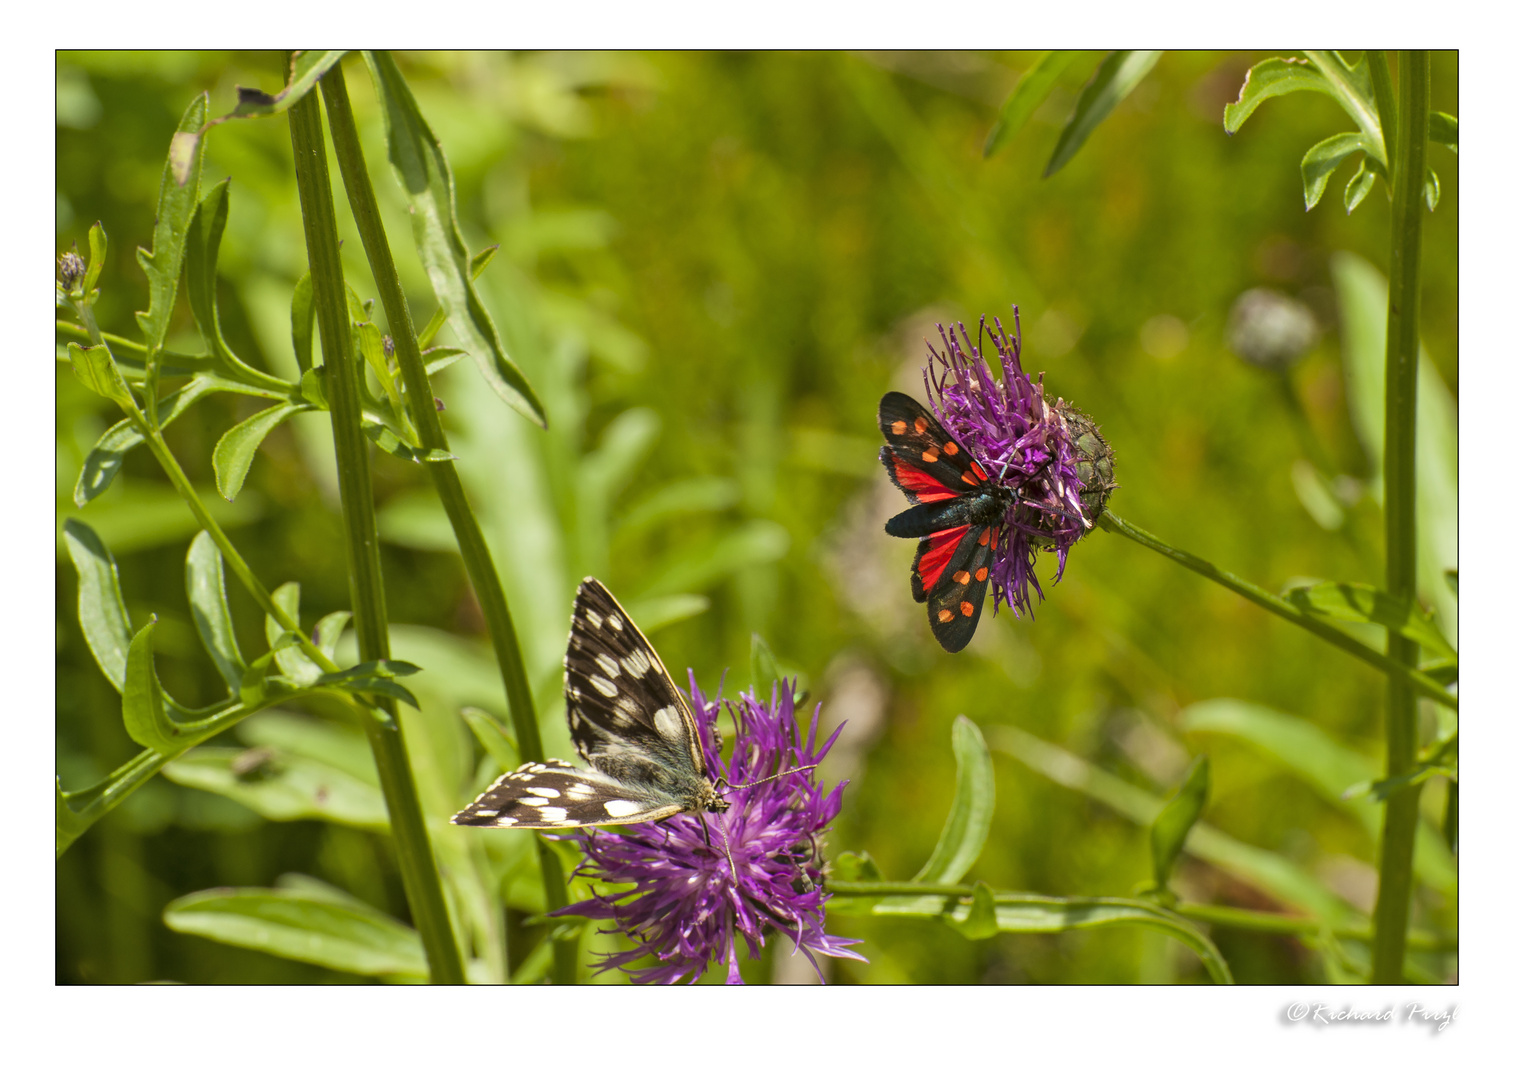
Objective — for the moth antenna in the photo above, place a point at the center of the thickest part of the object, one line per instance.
(787, 772)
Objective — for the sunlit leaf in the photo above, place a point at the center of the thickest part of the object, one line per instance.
(982, 919)
(302, 322)
(1271, 78)
(1117, 76)
(143, 707)
(96, 369)
(1323, 158)
(344, 936)
(1170, 830)
(290, 659)
(1442, 129)
(1026, 97)
(1359, 186)
(102, 615)
(104, 459)
(205, 583)
(426, 179)
(178, 195)
(1365, 604)
(98, 245)
(283, 787)
(234, 451)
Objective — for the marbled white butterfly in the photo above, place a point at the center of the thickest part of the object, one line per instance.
(628, 721)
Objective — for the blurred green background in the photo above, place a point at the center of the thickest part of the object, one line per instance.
(711, 268)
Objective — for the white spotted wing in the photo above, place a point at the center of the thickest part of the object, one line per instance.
(630, 724)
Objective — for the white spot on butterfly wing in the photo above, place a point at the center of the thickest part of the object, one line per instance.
(607, 664)
(593, 618)
(550, 793)
(668, 722)
(486, 813)
(603, 685)
(615, 623)
(527, 800)
(621, 807)
(636, 663)
(556, 814)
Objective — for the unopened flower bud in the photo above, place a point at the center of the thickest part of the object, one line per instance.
(71, 270)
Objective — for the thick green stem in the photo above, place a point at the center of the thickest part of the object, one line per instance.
(477, 560)
(1418, 680)
(412, 844)
(1396, 855)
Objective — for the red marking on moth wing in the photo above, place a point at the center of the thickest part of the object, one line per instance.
(979, 470)
(922, 485)
(942, 546)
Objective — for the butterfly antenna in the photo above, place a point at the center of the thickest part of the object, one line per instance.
(787, 772)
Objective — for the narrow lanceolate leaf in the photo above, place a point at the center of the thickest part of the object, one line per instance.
(302, 322)
(102, 615)
(205, 583)
(1324, 158)
(972, 810)
(103, 461)
(1365, 604)
(1170, 830)
(1271, 78)
(492, 735)
(1442, 129)
(98, 245)
(178, 195)
(281, 786)
(1026, 97)
(143, 708)
(1359, 186)
(426, 178)
(77, 810)
(96, 369)
(1117, 76)
(290, 659)
(309, 66)
(233, 454)
(340, 935)
(388, 440)
(202, 248)
(328, 631)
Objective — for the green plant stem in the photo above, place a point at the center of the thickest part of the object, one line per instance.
(1382, 91)
(412, 844)
(1263, 922)
(1419, 681)
(1390, 917)
(471, 544)
(477, 561)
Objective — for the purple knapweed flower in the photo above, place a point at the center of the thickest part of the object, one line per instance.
(684, 907)
(1051, 456)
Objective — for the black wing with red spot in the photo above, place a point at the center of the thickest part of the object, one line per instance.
(959, 561)
(922, 457)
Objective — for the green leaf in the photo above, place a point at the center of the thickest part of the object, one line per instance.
(290, 659)
(205, 583)
(341, 746)
(972, 810)
(96, 369)
(341, 935)
(104, 459)
(1117, 76)
(302, 323)
(178, 195)
(1362, 294)
(1442, 129)
(1365, 604)
(98, 245)
(1273, 874)
(492, 735)
(1438, 761)
(856, 866)
(1444, 672)
(764, 665)
(287, 786)
(143, 704)
(1315, 757)
(1271, 78)
(328, 631)
(201, 249)
(1351, 86)
(1170, 830)
(1432, 189)
(309, 66)
(234, 451)
(313, 388)
(1359, 186)
(982, 920)
(481, 260)
(371, 347)
(1026, 97)
(440, 358)
(373, 684)
(1323, 158)
(426, 178)
(102, 615)
(388, 440)
(387, 667)
(77, 810)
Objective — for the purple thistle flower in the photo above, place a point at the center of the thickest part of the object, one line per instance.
(683, 906)
(1052, 456)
